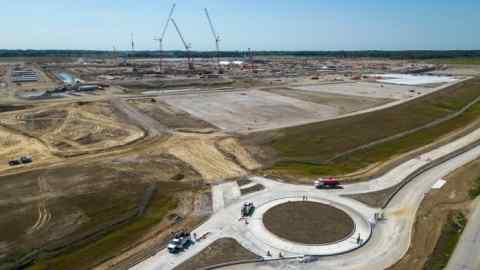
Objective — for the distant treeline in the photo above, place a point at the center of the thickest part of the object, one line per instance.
(241, 54)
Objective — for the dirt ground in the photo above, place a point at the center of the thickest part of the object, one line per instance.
(14, 145)
(221, 251)
(367, 89)
(433, 214)
(201, 152)
(194, 208)
(344, 103)
(169, 116)
(75, 128)
(250, 110)
(308, 223)
(46, 205)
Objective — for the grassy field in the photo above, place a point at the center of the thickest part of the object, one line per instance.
(304, 150)
(451, 233)
(113, 243)
(457, 61)
(475, 191)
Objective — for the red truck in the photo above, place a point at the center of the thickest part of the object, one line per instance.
(327, 183)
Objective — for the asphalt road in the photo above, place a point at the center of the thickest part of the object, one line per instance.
(467, 252)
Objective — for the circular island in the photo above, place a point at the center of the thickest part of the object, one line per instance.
(308, 223)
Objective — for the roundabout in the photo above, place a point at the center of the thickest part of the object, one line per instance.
(369, 245)
(318, 226)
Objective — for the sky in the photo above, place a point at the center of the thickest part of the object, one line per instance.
(257, 24)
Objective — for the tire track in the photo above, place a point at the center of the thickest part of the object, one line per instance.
(44, 215)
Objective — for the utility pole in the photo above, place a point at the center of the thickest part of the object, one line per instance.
(217, 41)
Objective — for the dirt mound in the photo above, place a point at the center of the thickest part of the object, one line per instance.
(200, 152)
(232, 147)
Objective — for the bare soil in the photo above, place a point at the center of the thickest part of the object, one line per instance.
(46, 205)
(345, 104)
(221, 251)
(169, 116)
(201, 152)
(9, 108)
(308, 222)
(71, 129)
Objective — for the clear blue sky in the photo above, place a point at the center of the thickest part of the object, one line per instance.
(259, 24)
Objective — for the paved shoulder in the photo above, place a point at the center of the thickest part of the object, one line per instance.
(467, 253)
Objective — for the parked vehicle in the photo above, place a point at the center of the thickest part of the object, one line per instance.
(327, 183)
(180, 242)
(14, 162)
(26, 159)
(247, 209)
(21, 160)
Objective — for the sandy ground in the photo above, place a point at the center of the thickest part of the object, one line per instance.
(250, 110)
(202, 154)
(366, 89)
(231, 146)
(70, 129)
(13, 146)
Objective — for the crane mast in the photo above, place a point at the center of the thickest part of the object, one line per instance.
(185, 44)
(217, 39)
(164, 31)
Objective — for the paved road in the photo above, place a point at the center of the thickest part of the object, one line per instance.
(389, 241)
(467, 252)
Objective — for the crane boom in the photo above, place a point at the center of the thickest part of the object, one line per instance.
(185, 44)
(164, 31)
(167, 22)
(214, 33)
(217, 40)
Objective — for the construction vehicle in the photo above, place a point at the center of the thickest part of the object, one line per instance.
(21, 160)
(247, 209)
(180, 242)
(14, 162)
(327, 183)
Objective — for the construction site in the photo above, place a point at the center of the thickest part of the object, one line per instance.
(252, 162)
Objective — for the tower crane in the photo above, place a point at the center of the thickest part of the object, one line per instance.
(164, 31)
(185, 44)
(217, 40)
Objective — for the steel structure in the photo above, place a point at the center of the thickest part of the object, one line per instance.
(185, 44)
(217, 40)
(164, 31)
